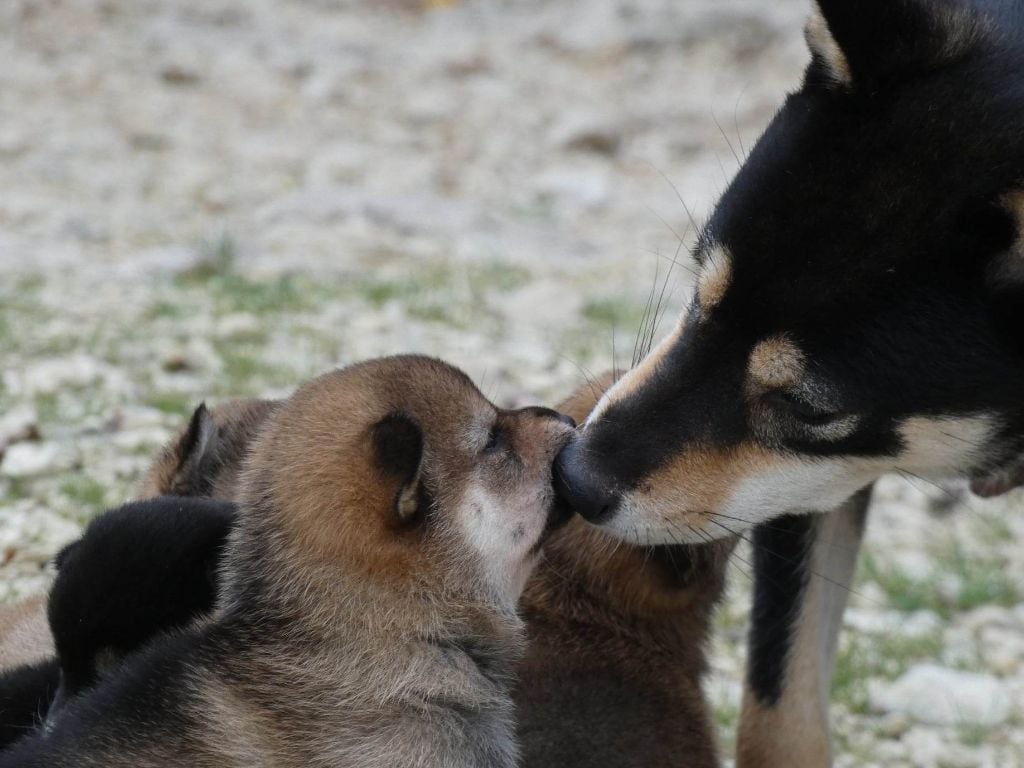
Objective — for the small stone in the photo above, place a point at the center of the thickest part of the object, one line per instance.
(917, 624)
(238, 325)
(138, 439)
(19, 424)
(179, 74)
(34, 459)
(894, 725)
(48, 377)
(1002, 649)
(958, 756)
(925, 745)
(989, 616)
(587, 132)
(949, 587)
(590, 187)
(939, 696)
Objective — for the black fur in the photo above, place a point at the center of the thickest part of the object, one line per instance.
(141, 569)
(25, 695)
(398, 445)
(781, 552)
(865, 226)
(145, 695)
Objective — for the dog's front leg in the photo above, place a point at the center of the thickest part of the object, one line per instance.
(803, 567)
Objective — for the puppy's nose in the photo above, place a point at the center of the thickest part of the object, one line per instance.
(548, 413)
(566, 419)
(578, 485)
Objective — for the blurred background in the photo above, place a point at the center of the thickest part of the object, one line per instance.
(207, 199)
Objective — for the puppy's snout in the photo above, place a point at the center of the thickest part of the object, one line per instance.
(548, 413)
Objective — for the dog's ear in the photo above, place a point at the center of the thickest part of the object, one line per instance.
(862, 44)
(1005, 272)
(398, 454)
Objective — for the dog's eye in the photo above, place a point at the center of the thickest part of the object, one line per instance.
(812, 415)
(495, 440)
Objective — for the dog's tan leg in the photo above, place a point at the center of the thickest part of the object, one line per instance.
(804, 566)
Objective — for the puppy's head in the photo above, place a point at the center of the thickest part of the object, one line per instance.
(206, 458)
(859, 304)
(141, 569)
(400, 471)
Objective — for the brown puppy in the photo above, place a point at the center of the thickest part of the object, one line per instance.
(613, 669)
(206, 458)
(390, 517)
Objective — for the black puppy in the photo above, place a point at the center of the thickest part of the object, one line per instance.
(142, 569)
(25, 696)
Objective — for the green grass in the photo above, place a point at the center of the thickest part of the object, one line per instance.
(176, 403)
(19, 488)
(613, 313)
(85, 490)
(887, 655)
(727, 715)
(974, 734)
(218, 259)
(984, 581)
(47, 408)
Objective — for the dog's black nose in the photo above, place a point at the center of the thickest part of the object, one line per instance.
(577, 484)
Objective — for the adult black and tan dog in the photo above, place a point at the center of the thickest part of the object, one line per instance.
(860, 309)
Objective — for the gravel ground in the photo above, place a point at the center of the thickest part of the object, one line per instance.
(213, 198)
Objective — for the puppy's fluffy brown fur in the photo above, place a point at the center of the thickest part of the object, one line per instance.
(615, 658)
(206, 458)
(390, 517)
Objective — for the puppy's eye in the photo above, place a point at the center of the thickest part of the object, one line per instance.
(800, 409)
(496, 440)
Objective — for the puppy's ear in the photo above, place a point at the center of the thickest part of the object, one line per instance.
(62, 557)
(398, 454)
(195, 446)
(864, 43)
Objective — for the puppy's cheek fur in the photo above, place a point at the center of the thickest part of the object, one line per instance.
(703, 496)
(503, 530)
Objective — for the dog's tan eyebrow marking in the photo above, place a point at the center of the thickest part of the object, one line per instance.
(775, 363)
(824, 46)
(1008, 268)
(714, 278)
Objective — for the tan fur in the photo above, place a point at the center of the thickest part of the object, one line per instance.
(646, 618)
(795, 730)
(775, 363)
(234, 426)
(615, 658)
(823, 45)
(377, 642)
(24, 633)
(714, 278)
(719, 473)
